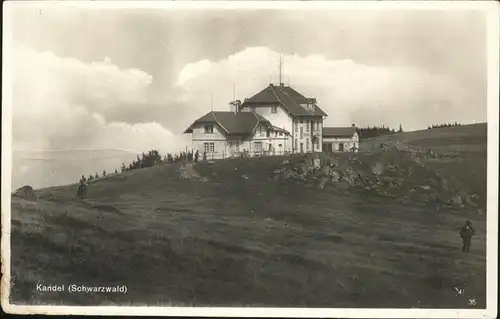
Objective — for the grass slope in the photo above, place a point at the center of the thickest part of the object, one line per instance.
(233, 241)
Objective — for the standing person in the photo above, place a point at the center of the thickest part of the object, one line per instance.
(82, 188)
(466, 232)
(196, 155)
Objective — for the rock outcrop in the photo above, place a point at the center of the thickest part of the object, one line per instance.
(26, 192)
(396, 172)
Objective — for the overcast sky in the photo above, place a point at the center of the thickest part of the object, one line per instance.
(135, 79)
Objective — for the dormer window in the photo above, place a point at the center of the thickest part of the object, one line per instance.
(209, 129)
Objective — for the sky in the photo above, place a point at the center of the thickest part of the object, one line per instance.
(135, 79)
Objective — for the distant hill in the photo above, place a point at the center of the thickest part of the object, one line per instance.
(50, 168)
(447, 139)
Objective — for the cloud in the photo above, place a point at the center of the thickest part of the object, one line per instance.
(64, 103)
(350, 92)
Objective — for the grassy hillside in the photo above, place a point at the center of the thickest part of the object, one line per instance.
(244, 238)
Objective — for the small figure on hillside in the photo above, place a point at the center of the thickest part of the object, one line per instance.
(204, 155)
(466, 232)
(82, 188)
(196, 156)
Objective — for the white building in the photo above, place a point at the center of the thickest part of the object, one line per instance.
(293, 112)
(278, 120)
(340, 139)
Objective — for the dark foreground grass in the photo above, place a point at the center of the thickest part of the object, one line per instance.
(237, 241)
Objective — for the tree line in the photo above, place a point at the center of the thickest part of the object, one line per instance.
(151, 158)
(443, 125)
(374, 131)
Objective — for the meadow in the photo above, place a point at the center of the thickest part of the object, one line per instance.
(254, 241)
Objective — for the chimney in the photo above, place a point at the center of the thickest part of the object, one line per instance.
(234, 106)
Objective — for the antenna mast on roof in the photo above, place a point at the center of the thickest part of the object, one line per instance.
(281, 66)
(234, 91)
(212, 100)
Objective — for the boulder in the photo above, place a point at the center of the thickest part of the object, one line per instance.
(188, 172)
(335, 176)
(278, 171)
(322, 182)
(325, 170)
(317, 163)
(431, 154)
(26, 192)
(378, 169)
(457, 201)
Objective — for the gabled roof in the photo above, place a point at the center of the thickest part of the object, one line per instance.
(239, 123)
(279, 129)
(339, 131)
(287, 97)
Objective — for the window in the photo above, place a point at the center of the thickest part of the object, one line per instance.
(259, 129)
(301, 132)
(279, 145)
(274, 109)
(296, 144)
(307, 126)
(210, 147)
(317, 144)
(280, 133)
(209, 129)
(296, 127)
(257, 146)
(307, 144)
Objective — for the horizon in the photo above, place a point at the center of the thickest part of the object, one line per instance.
(135, 152)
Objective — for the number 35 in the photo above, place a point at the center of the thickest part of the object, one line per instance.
(472, 302)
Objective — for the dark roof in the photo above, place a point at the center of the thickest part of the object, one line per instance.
(279, 129)
(232, 123)
(287, 97)
(339, 131)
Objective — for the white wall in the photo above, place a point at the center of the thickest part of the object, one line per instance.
(348, 142)
(306, 136)
(199, 137)
(280, 119)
